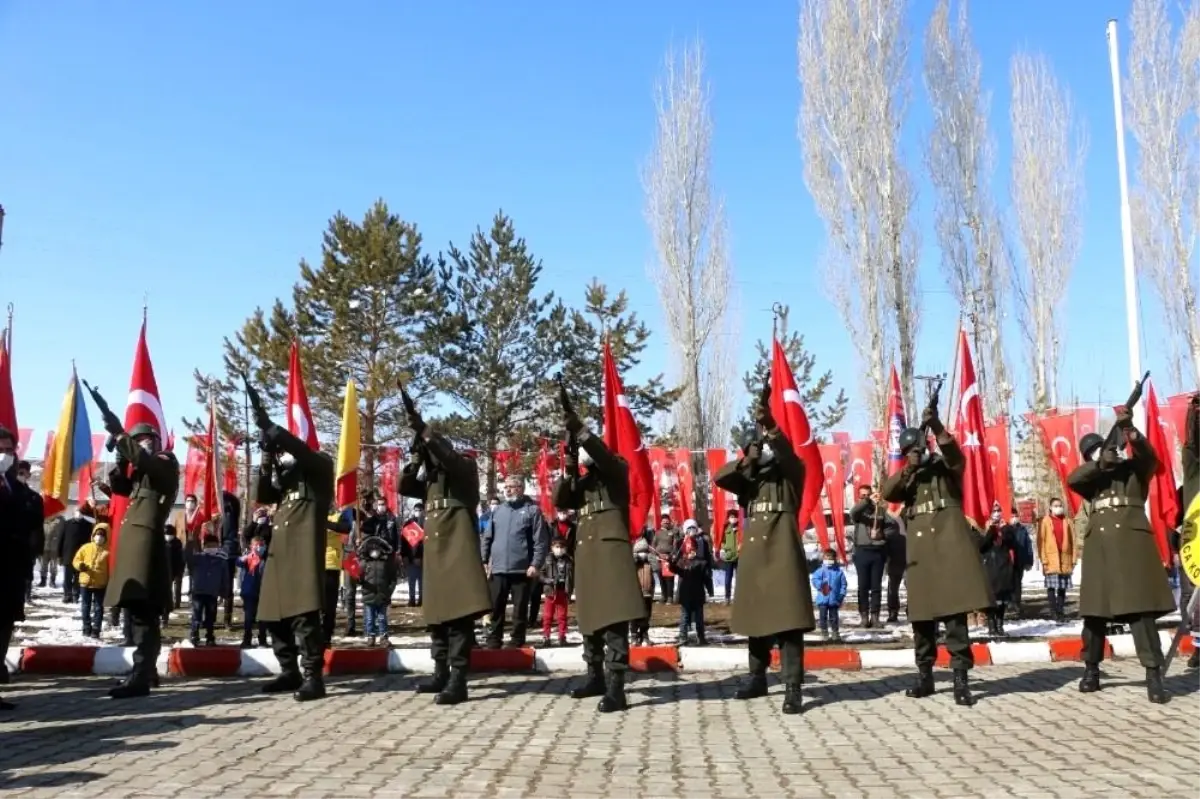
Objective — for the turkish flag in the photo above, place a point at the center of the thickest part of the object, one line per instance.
(193, 465)
(545, 498)
(1087, 420)
(622, 437)
(1164, 501)
(389, 477)
(1058, 434)
(834, 474)
(8, 406)
(210, 503)
(715, 459)
(996, 440)
(685, 484)
(230, 465)
(413, 534)
(299, 414)
(793, 422)
(660, 471)
(978, 489)
(25, 435)
(862, 464)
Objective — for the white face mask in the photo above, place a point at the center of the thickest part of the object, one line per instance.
(1057, 510)
(829, 563)
(766, 454)
(191, 506)
(6, 461)
(558, 552)
(996, 517)
(168, 537)
(562, 516)
(98, 540)
(286, 459)
(381, 509)
(147, 446)
(23, 479)
(585, 457)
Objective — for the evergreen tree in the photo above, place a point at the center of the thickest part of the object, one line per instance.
(579, 351)
(812, 389)
(496, 347)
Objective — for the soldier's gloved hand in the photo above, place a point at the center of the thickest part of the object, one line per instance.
(1124, 417)
(573, 423)
(929, 418)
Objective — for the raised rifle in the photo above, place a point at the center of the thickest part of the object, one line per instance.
(1135, 396)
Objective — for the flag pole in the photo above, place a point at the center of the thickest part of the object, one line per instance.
(6, 340)
(247, 514)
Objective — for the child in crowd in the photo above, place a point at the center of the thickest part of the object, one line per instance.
(210, 579)
(377, 583)
(176, 563)
(830, 582)
(691, 562)
(253, 563)
(644, 559)
(91, 561)
(557, 575)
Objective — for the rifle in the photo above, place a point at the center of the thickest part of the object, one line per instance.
(934, 397)
(1135, 396)
(106, 413)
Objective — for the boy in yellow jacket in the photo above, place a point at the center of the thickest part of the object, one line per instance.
(91, 561)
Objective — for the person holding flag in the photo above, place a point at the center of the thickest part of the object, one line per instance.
(773, 603)
(945, 573)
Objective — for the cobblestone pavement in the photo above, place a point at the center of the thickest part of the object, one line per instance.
(685, 736)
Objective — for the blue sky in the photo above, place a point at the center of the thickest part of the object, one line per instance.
(194, 152)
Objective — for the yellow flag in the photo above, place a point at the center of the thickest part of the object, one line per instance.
(349, 451)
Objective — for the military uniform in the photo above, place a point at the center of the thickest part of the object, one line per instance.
(290, 598)
(140, 577)
(773, 602)
(944, 573)
(20, 516)
(1124, 578)
(608, 595)
(455, 589)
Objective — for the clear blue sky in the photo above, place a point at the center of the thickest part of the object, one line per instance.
(194, 151)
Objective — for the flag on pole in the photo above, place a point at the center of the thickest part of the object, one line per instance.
(72, 450)
(349, 452)
(210, 506)
(8, 406)
(299, 414)
(896, 422)
(622, 437)
(1164, 502)
(978, 488)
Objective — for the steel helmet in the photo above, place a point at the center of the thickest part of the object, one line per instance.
(1089, 444)
(910, 438)
(143, 429)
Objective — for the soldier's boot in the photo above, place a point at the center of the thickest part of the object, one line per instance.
(437, 683)
(923, 687)
(594, 685)
(1000, 627)
(792, 699)
(289, 680)
(1091, 679)
(137, 685)
(455, 692)
(756, 687)
(312, 688)
(1155, 691)
(1194, 660)
(614, 693)
(962, 689)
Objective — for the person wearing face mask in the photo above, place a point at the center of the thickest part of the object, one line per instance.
(565, 527)
(192, 524)
(258, 527)
(1125, 578)
(178, 567)
(455, 590)
(513, 549)
(75, 533)
(91, 563)
(253, 564)
(20, 510)
(1056, 552)
(140, 579)
(557, 577)
(299, 480)
(773, 604)
(998, 549)
(37, 537)
(871, 524)
(945, 576)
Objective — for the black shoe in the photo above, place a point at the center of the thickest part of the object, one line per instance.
(42, 583)
(312, 688)
(1194, 661)
(593, 687)
(923, 687)
(437, 683)
(87, 632)
(352, 631)
(614, 693)
(288, 681)
(195, 639)
(412, 603)
(262, 642)
(962, 689)
(792, 700)
(701, 640)
(130, 690)
(562, 640)
(455, 692)
(1091, 679)
(545, 642)
(246, 642)
(210, 640)
(1154, 687)
(756, 687)
(893, 618)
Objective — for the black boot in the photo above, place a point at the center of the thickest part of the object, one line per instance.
(1000, 626)
(892, 618)
(756, 687)
(137, 685)
(962, 689)
(594, 685)
(455, 691)
(1194, 660)
(792, 700)
(1154, 686)
(614, 693)
(437, 683)
(1091, 679)
(287, 681)
(923, 687)
(246, 641)
(312, 688)
(863, 617)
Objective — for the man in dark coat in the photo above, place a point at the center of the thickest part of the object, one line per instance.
(608, 596)
(300, 481)
(139, 579)
(20, 517)
(231, 518)
(945, 574)
(773, 603)
(871, 520)
(455, 590)
(1125, 579)
(75, 533)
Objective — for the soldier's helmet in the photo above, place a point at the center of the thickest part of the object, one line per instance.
(910, 437)
(1089, 444)
(143, 429)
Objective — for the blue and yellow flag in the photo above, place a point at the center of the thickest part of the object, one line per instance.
(71, 451)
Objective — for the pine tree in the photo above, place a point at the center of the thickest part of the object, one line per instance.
(580, 347)
(812, 389)
(496, 346)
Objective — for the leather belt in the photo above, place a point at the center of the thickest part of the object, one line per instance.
(592, 508)
(153, 496)
(770, 507)
(443, 504)
(1112, 502)
(933, 506)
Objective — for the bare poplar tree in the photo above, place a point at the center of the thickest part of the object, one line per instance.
(961, 158)
(1162, 93)
(1048, 150)
(692, 271)
(854, 93)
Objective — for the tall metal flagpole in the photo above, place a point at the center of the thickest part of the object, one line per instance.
(1131, 287)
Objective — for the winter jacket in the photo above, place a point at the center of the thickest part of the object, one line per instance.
(385, 527)
(75, 533)
(999, 552)
(1055, 560)
(691, 560)
(664, 544)
(558, 573)
(52, 548)
(210, 573)
(1024, 546)
(91, 561)
(175, 557)
(253, 567)
(830, 585)
(644, 559)
(516, 538)
(871, 525)
(379, 572)
(729, 544)
(231, 511)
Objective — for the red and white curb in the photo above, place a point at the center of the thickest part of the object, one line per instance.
(227, 661)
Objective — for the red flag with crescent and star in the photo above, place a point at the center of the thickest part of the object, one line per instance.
(793, 422)
(834, 474)
(996, 438)
(622, 437)
(299, 414)
(1164, 502)
(861, 464)
(1058, 432)
(978, 489)
(659, 480)
(685, 486)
